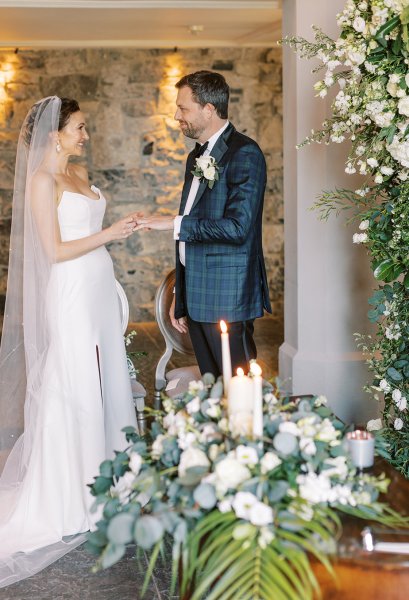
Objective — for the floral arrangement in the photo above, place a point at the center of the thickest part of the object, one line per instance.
(207, 168)
(368, 67)
(132, 355)
(244, 515)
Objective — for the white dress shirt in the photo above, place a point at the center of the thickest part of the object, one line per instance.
(192, 195)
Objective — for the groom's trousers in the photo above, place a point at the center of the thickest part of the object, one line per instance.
(206, 341)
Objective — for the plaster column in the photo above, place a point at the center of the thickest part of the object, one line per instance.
(327, 279)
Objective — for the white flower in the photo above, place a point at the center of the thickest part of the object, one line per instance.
(269, 462)
(372, 162)
(307, 446)
(195, 386)
(135, 462)
(398, 424)
(192, 457)
(269, 398)
(186, 439)
(157, 446)
(355, 58)
(396, 395)
(403, 106)
(359, 24)
(214, 411)
(326, 432)
(261, 514)
(386, 170)
(246, 455)
(401, 403)
(374, 425)
(266, 537)
(123, 486)
(407, 79)
(384, 386)
(359, 238)
(193, 406)
(320, 401)
(231, 473)
(378, 178)
(314, 488)
(338, 467)
(363, 225)
(225, 505)
(350, 169)
(392, 88)
(209, 173)
(206, 165)
(394, 78)
(289, 427)
(242, 503)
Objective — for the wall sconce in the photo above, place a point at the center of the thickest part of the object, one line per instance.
(6, 75)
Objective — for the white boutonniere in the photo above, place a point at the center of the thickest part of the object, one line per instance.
(206, 168)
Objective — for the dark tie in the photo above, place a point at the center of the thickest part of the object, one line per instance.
(199, 149)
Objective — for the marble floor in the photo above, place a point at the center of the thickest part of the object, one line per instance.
(71, 578)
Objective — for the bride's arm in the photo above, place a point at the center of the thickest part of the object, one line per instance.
(44, 209)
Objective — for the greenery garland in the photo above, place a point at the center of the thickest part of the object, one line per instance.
(368, 66)
(244, 516)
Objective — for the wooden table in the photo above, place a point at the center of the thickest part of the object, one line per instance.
(369, 575)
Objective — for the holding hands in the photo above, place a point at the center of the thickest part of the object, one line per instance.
(158, 222)
(123, 228)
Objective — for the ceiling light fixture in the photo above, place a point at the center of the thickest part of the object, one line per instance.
(195, 29)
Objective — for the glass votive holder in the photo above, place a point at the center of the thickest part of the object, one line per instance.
(361, 446)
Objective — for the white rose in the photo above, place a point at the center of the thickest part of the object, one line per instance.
(269, 462)
(359, 24)
(403, 106)
(392, 88)
(363, 226)
(231, 473)
(396, 395)
(192, 457)
(384, 386)
(261, 514)
(214, 412)
(246, 455)
(374, 425)
(398, 424)
(202, 162)
(242, 503)
(356, 58)
(394, 78)
(135, 462)
(209, 173)
(123, 486)
(386, 171)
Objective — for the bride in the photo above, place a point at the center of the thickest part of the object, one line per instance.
(63, 367)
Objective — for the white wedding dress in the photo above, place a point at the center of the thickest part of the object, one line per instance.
(85, 401)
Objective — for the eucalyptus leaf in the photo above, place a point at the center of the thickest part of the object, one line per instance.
(148, 530)
(112, 554)
(205, 496)
(120, 529)
(285, 443)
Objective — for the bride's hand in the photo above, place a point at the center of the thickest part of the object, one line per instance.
(123, 228)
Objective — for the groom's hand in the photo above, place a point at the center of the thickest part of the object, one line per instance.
(157, 222)
(179, 324)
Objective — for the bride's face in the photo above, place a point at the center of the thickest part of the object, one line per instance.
(73, 136)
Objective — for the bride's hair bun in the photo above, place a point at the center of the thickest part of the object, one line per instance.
(67, 108)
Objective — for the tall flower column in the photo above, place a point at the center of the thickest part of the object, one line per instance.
(328, 279)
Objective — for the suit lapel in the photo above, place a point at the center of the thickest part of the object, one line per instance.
(187, 183)
(218, 151)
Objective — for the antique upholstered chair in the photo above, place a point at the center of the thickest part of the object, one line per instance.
(138, 391)
(176, 381)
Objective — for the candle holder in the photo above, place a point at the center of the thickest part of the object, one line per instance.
(361, 446)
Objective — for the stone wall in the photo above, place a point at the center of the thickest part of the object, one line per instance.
(136, 153)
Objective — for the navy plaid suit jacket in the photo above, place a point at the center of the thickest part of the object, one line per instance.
(225, 276)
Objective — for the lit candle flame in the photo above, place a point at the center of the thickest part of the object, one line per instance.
(240, 372)
(255, 369)
(223, 327)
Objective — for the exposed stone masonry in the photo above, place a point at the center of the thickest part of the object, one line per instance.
(136, 154)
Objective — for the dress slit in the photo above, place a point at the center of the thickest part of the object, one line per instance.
(99, 374)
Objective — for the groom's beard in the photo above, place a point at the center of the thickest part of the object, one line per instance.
(191, 131)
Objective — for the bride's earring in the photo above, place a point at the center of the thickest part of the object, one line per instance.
(58, 147)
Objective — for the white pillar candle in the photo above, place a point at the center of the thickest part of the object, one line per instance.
(255, 370)
(240, 398)
(226, 359)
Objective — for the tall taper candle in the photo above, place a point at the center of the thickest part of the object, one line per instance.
(255, 370)
(226, 359)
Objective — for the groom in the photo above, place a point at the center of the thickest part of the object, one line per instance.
(220, 271)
